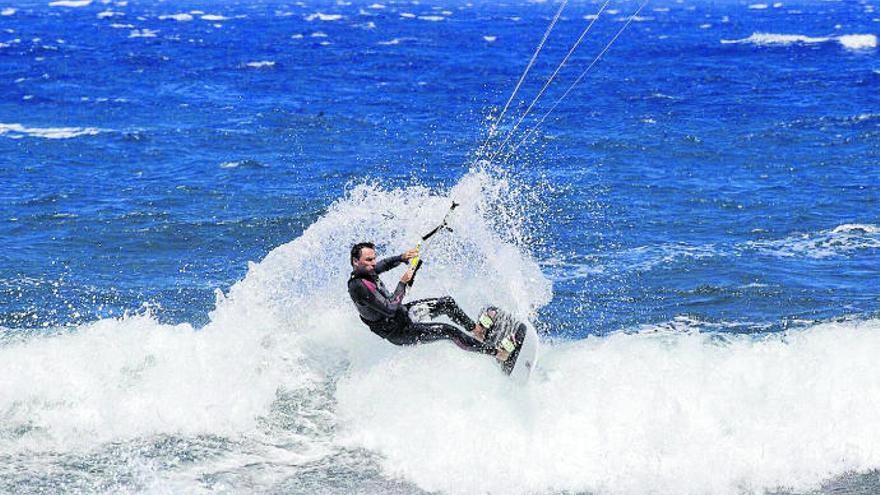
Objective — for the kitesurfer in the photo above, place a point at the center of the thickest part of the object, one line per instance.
(388, 317)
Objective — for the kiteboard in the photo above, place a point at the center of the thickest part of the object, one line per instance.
(518, 338)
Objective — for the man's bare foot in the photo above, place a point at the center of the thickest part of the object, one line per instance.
(502, 355)
(479, 332)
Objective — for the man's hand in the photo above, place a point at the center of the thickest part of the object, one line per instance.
(407, 275)
(412, 253)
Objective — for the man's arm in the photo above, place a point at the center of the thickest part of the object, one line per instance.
(393, 261)
(389, 263)
(363, 294)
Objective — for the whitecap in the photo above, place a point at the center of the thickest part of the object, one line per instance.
(858, 41)
(376, 6)
(143, 33)
(848, 41)
(762, 39)
(490, 39)
(214, 17)
(109, 13)
(262, 64)
(842, 240)
(319, 34)
(121, 26)
(661, 9)
(297, 36)
(18, 131)
(177, 17)
(777, 5)
(407, 15)
(8, 12)
(432, 18)
(323, 17)
(705, 26)
(858, 228)
(758, 6)
(70, 3)
(247, 163)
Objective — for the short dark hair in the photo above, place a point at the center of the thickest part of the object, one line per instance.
(356, 249)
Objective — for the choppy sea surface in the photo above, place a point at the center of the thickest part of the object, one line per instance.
(694, 230)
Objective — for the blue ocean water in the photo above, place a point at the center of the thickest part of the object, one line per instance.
(694, 230)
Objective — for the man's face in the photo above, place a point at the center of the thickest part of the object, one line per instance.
(367, 261)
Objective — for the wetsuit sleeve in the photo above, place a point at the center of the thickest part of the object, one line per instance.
(375, 300)
(388, 263)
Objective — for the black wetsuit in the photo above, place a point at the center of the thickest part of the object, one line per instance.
(388, 317)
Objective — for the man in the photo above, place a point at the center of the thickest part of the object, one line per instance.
(388, 317)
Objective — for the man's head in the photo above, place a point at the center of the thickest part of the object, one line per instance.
(363, 256)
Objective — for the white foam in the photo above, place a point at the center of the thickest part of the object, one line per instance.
(18, 131)
(858, 41)
(109, 13)
(263, 64)
(143, 33)
(183, 17)
(705, 26)
(407, 15)
(490, 39)
(843, 240)
(758, 6)
(70, 3)
(627, 414)
(318, 34)
(432, 18)
(768, 39)
(646, 258)
(376, 6)
(323, 17)
(121, 26)
(214, 17)
(848, 41)
(857, 228)
(8, 12)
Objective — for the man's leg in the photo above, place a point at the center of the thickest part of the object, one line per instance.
(448, 307)
(421, 333)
